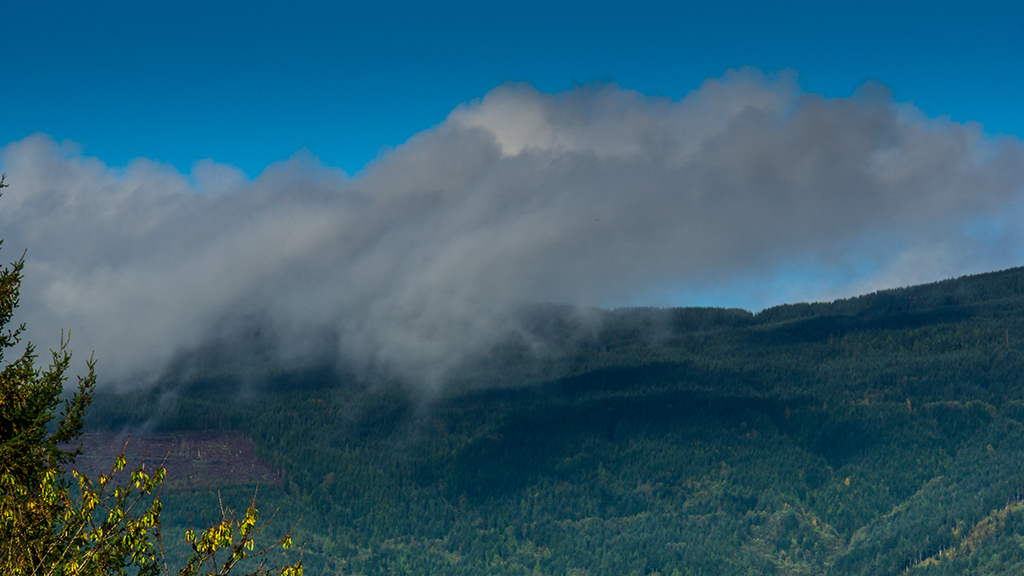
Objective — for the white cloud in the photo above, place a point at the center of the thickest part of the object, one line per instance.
(598, 195)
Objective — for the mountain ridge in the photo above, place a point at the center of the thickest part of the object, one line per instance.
(880, 434)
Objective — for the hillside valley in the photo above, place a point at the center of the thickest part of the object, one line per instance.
(874, 435)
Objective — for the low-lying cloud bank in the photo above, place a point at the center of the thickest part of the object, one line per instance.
(598, 195)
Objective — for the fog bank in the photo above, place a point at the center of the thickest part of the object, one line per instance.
(747, 188)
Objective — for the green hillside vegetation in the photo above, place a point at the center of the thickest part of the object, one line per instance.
(876, 435)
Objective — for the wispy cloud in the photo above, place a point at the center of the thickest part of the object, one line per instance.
(598, 195)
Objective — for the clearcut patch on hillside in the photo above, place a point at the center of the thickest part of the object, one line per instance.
(193, 459)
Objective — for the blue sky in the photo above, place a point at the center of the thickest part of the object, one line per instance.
(249, 83)
(402, 177)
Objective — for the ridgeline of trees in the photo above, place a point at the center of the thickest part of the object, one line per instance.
(875, 435)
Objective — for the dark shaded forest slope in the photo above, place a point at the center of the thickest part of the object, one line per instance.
(875, 435)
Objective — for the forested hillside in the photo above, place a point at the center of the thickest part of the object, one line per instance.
(875, 435)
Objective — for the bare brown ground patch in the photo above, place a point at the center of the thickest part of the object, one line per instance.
(193, 459)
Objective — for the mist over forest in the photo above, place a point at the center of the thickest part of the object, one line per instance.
(880, 434)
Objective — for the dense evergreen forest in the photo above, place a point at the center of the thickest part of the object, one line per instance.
(875, 435)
